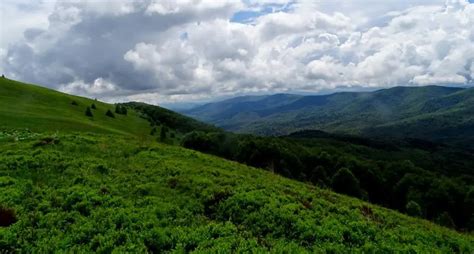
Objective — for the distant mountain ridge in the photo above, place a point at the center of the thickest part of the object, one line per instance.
(434, 113)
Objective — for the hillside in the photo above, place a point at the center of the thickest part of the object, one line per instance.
(445, 111)
(40, 109)
(91, 193)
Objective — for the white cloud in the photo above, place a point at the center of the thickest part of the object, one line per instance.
(99, 87)
(189, 49)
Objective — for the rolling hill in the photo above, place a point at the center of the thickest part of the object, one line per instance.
(40, 109)
(72, 183)
(435, 113)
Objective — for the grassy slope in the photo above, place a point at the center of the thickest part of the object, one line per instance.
(40, 109)
(100, 193)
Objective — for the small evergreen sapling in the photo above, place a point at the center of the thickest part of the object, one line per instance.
(89, 112)
(413, 209)
(110, 114)
(119, 109)
(163, 132)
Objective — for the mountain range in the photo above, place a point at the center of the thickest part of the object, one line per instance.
(435, 113)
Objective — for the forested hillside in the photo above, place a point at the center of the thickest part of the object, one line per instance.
(440, 114)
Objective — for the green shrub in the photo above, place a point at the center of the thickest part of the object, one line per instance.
(93, 106)
(120, 109)
(163, 132)
(89, 112)
(109, 114)
(345, 182)
(413, 209)
(74, 103)
(445, 220)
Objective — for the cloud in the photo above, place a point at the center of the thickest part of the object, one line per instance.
(162, 51)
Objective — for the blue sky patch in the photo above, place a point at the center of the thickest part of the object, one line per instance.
(248, 16)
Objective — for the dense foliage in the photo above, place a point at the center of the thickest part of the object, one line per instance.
(438, 179)
(161, 116)
(97, 193)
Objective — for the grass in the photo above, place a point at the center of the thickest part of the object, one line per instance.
(40, 109)
(105, 193)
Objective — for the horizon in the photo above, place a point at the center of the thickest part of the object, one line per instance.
(204, 51)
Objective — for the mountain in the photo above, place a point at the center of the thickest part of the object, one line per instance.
(433, 112)
(75, 183)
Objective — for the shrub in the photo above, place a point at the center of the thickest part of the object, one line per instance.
(109, 113)
(163, 132)
(93, 106)
(119, 109)
(89, 112)
(445, 220)
(345, 182)
(413, 209)
(153, 131)
(74, 103)
(7, 216)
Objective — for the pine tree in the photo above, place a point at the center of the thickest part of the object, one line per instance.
(89, 112)
(93, 106)
(163, 132)
(110, 114)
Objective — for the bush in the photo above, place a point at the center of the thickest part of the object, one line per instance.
(74, 103)
(163, 132)
(89, 112)
(413, 209)
(7, 216)
(93, 106)
(345, 182)
(445, 220)
(119, 109)
(109, 113)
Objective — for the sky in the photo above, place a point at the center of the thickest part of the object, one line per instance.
(177, 51)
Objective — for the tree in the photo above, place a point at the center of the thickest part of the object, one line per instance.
(445, 220)
(163, 132)
(345, 182)
(119, 109)
(89, 112)
(74, 103)
(153, 131)
(109, 113)
(413, 209)
(93, 106)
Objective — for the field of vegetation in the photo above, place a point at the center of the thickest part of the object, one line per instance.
(104, 193)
